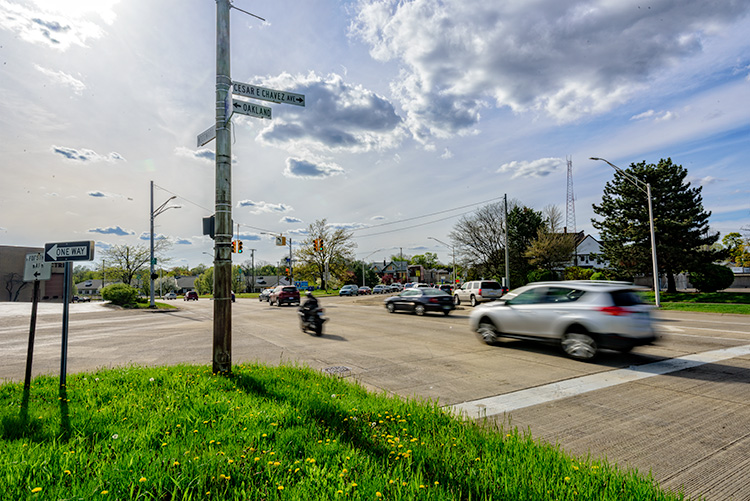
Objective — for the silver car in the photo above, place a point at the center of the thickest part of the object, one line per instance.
(582, 316)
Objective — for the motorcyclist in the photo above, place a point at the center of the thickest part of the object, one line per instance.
(310, 305)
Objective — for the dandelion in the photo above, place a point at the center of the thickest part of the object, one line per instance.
(281, 487)
(176, 463)
(437, 483)
(36, 489)
(104, 493)
(67, 472)
(142, 479)
(567, 479)
(378, 494)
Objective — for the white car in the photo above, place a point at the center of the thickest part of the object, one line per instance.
(170, 295)
(583, 317)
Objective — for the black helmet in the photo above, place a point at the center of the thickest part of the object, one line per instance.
(309, 294)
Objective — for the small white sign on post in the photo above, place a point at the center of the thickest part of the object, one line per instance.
(36, 268)
(207, 135)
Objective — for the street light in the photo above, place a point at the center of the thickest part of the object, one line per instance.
(646, 188)
(363, 265)
(453, 250)
(155, 212)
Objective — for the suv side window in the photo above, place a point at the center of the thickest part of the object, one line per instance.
(563, 295)
(537, 295)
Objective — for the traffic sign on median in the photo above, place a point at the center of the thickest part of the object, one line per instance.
(69, 251)
(266, 94)
(36, 268)
(251, 109)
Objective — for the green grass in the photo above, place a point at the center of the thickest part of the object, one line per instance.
(706, 302)
(182, 433)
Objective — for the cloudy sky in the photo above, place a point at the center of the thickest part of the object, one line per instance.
(417, 112)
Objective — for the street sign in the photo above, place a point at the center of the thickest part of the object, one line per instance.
(251, 109)
(69, 251)
(280, 241)
(207, 135)
(265, 94)
(36, 268)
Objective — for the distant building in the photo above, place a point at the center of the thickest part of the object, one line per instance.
(12, 286)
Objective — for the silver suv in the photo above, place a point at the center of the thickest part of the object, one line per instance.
(478, 291)
(582, 316)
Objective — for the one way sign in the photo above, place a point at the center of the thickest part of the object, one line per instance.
(69, 251)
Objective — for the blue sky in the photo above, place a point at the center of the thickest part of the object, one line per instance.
(413, 108)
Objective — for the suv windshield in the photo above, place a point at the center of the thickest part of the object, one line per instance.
(489, 285)
(289, 289)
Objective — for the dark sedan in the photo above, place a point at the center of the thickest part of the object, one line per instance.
(420, 301)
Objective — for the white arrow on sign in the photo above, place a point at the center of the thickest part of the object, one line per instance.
(69, 251)
(36, 268)
(251, 109)
(266, 94)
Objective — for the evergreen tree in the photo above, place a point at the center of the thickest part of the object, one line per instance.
(682, 234)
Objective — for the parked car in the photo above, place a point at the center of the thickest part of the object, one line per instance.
(349, 290)
(583, 317)
(396, 286)
(170, 295)
(408, 285)
(447, 288)
(284, 294)
(81, 299)
(420, 301)
(478, 291)
(265, 294)
(190, 296)
(420, 286)
(364, 290)
(380, 289)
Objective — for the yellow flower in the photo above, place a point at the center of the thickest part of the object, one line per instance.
(67, 472)
(176, 463)
(36, 489)
(378, 494)
(142, 479)
(104, 493)
(281, 487)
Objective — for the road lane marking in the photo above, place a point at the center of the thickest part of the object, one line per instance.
(500, 404)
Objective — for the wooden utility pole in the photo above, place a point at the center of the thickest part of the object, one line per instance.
(222, 345)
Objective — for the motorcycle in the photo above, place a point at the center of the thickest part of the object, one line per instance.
(313, 321)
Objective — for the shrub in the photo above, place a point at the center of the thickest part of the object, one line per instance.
(120, 294)
(578, 273)
(711, 278)
(542, 276)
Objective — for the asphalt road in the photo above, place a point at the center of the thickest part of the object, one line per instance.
(679, 409)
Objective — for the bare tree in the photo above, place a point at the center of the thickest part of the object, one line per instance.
(480, 239)
(552, 248)
(326, 246)
(126, 261)
(14, 284)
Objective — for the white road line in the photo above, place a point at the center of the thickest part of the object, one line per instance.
(557, 391)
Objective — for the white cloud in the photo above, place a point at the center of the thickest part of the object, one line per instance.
(54, 23)
(536, 168)
(308, 169)
(63, 78)
(203, 155)
(85, 155)
(558, 58)
(290, 220)
(264, 207)
(338, 116)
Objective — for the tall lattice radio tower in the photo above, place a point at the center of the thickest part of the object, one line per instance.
(570, 204)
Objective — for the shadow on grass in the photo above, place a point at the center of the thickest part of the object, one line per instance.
(16, 427)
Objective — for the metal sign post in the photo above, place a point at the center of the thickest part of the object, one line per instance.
(67, 252)
(36, 269)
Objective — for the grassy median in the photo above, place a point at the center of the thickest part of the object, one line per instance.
(183, 433)
(706, 302)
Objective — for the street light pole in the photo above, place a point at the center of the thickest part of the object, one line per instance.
(162, 208)
(453, 250)
(646, 188)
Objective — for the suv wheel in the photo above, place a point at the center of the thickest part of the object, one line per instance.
(579, 345)
(456, 300)
(488, 332)
(473, 301)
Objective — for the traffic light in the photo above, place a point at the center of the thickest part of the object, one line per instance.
(316, 243)
(234, 246)
(239, 246)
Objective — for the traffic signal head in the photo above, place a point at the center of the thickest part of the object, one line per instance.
(239, 246)
(234, 246)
